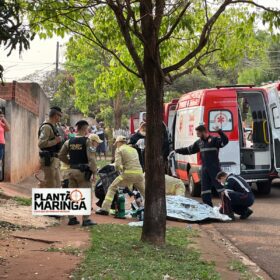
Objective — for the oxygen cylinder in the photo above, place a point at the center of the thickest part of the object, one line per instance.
(120, 213)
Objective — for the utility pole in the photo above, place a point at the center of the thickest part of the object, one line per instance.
(57, 57)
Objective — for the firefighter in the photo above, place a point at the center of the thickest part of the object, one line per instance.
(208, 146)
(126, 161)
(238, 192)
(174, 186)
(80, 154)
(49, 145)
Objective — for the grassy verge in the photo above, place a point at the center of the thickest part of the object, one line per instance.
(117, 253)
(238, 266)
(103, 162)
(22, 201)
(66, 250)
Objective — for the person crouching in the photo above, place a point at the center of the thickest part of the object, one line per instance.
(238, 192)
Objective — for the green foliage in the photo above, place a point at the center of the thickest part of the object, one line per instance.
(116, 253)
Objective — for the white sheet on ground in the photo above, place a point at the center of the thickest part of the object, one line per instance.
(187, 209)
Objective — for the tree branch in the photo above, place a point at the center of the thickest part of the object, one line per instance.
(173, 27)
(195, 65)
(257, 5)
(204, 37)
(128, 40)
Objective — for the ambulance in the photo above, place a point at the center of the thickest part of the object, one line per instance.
(236, 110)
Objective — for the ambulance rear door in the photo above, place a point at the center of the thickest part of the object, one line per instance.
(274, 113)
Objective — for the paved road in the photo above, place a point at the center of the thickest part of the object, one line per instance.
(259, 236)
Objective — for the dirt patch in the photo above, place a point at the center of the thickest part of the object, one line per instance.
(21, 215)
(52, 253)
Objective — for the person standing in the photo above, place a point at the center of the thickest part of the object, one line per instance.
(209, 147)
(80, 154)
(50, 145)
(4, 127)
(127, 161)
(101, 149)
(137, 141)
(239, 193)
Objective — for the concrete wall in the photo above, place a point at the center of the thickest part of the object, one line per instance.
(26, 108)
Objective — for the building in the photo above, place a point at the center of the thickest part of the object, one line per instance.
(26, 107)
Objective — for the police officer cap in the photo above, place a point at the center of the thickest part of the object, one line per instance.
(81, 123)
(56, 108)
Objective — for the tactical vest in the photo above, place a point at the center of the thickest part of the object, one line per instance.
(78, 150)
(53, 149)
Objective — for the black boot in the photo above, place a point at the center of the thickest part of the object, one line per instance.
(246, 215)
(73, 222)
(88, 223)
(102, 212)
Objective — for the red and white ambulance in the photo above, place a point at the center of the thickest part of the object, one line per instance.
(233, 109)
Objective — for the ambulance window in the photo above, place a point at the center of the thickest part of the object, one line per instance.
(222, 119)
(276, 117)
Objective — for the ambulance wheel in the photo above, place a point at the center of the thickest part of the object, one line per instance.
(264, 187)
(194, 188)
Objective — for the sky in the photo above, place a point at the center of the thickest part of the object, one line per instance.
(42, 54)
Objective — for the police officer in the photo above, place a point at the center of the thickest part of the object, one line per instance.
(80, 154)
(208, 146)
(239, 193)
(49, 145)
(127, 161)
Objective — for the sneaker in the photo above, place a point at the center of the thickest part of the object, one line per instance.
(88, 223)
(73, 222)
(231, 215)
(246, 215)
(102, 212)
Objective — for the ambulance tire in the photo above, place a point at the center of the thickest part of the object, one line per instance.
(264, 187)
(194, 188)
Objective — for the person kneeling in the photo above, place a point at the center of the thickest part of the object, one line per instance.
(238, 192)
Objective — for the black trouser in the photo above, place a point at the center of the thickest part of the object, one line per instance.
(241, 201)
(208, 180)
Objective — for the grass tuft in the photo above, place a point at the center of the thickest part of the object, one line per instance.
(22, 201)
(116, 253)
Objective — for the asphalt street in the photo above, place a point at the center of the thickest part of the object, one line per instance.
(259, 236)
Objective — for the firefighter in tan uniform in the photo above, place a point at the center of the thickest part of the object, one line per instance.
(174, 186)
(80, 154)
(126, 161)
(49, 145)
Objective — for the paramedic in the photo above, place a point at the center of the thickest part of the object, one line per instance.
(239, 193)
(208, 146)
(127, 161)
(50, 144)
(80, 154)
(174, 186)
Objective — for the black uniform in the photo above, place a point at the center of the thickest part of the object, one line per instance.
(132, 141)
(209, 151)
(240, 194)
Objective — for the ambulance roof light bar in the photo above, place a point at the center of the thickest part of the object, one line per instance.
(234, 86)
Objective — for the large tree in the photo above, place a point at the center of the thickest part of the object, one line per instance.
(157, 41)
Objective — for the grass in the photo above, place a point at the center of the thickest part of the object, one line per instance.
(103, 162)
(22, 201)
(236, 265)
(66, 250)
(116, 253)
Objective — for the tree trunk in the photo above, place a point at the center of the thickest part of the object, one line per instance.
(118, 112)
(155, 206)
